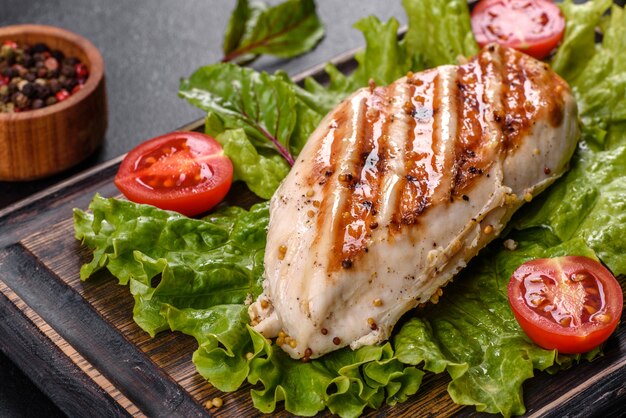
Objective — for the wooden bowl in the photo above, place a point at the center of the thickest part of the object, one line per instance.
(38, 143)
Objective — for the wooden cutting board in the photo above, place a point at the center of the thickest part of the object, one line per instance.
(78, 343)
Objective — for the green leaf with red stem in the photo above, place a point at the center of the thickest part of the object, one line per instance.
(285, 30)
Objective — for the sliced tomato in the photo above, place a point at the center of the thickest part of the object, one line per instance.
(569, 303)
(532, 26)
(182, 171)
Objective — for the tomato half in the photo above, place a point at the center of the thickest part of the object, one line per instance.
(532, 26)
(182, 171)
(569, 303)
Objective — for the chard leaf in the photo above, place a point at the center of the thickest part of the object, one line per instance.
(244, 16)
(261, 104)
(261, 171)
(286, 30)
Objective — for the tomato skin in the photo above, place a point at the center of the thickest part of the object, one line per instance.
(186, 172)
(534, 27)
(579, 290)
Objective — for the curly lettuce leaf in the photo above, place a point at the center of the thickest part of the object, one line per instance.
(196, 263)
(286, 30)
(196, 276)
(596, 72)
(345, 381)
(579, 44)
(384, 59)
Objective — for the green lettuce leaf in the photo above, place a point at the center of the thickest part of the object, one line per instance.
(439, 32)
(384, 59)
(286, 30)
(589, 203)
(345, 381)
(169, 259)
(579, 43)
(590, 200)
(596, 73)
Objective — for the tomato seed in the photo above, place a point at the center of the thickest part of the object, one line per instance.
(150, 160)
(537, 301)
(590, 309)
(604, 318)
(578, 277)
(168, 183)
(566, 321)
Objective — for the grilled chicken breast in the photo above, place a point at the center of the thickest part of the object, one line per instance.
(399, 187)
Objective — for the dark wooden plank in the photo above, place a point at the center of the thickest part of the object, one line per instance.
(51, 370)
(70, 314)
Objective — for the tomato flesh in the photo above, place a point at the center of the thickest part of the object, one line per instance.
(182, 171)
(572, 304)
(532, 26)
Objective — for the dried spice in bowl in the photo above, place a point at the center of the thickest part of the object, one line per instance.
(36, 76)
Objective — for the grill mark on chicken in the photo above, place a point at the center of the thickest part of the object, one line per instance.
(344, 180)
(421, 172)
(515, 121)
(325, 166)
(445, 134)
(357, 213)
(472, 105)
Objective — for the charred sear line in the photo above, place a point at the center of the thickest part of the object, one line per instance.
(516, 121)
(353, 231)
(323, 174)
(470, 118)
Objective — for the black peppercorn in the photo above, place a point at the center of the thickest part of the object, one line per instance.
(37, 104)
(58, 55)
(68, 70)
(29, 90)
(39, 48)
(20, 100)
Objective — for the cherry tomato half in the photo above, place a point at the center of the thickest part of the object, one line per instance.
(182, 171)
(532, 26)
(569, 303)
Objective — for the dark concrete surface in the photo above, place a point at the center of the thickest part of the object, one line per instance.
(148, 45)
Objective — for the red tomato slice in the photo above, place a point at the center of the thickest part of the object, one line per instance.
(532, 26)
(570, 303)
(182, 171)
